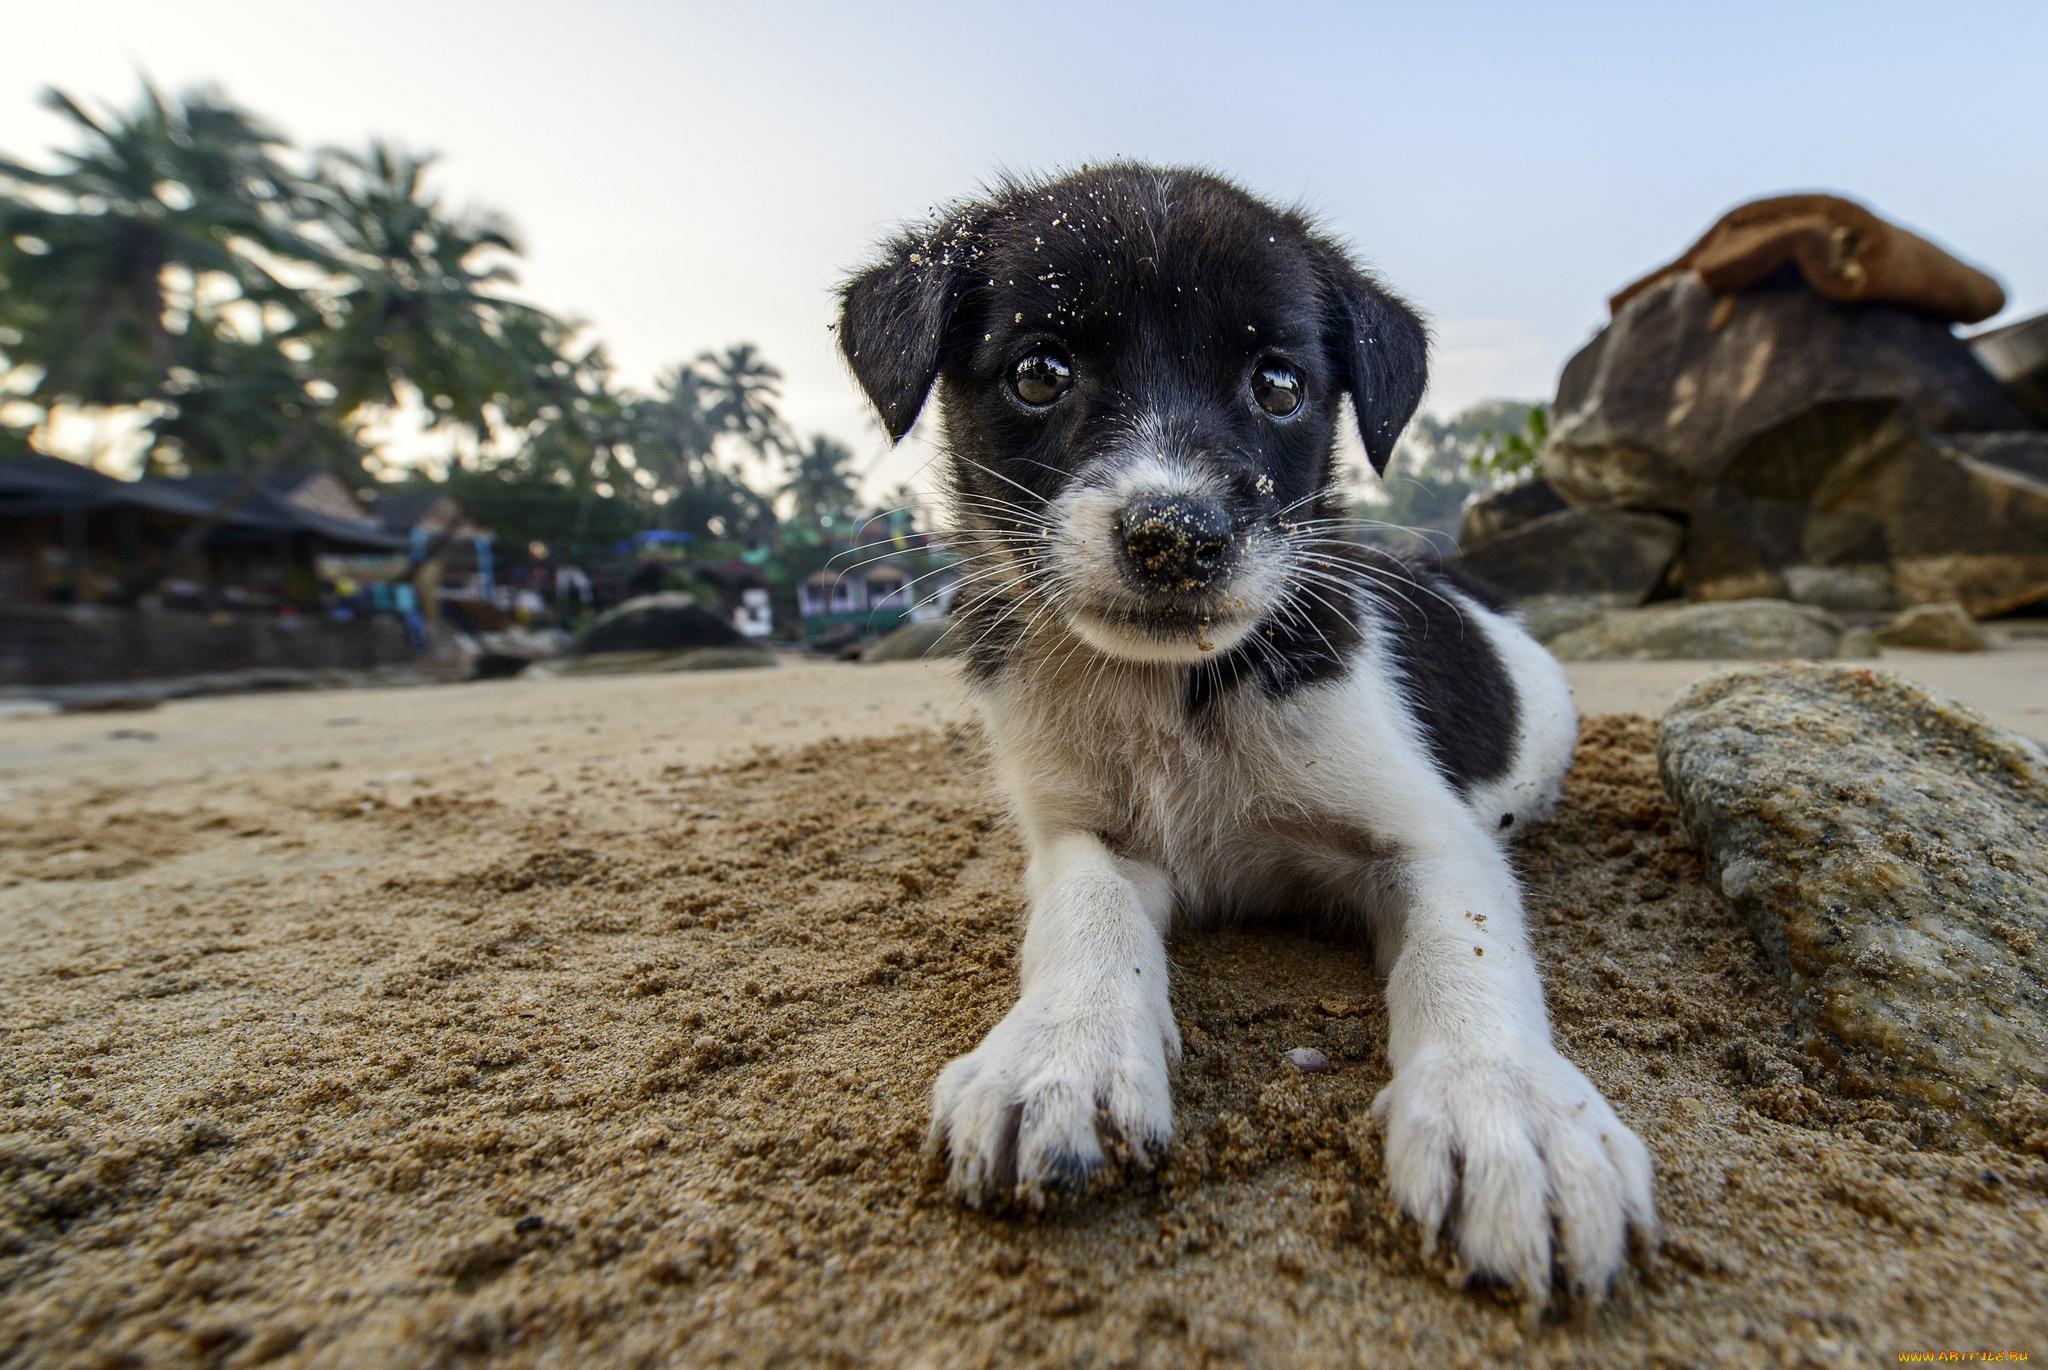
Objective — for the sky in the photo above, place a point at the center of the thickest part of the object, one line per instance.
(684, 176)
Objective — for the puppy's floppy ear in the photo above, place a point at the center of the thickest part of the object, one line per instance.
(894, 317)
(1380, 348)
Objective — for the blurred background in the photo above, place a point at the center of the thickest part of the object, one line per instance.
(518, 312)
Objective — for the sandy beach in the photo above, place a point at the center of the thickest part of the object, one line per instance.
(591, 1022)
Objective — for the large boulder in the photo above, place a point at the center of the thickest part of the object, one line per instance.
(1489, 515)
(1614, 553)
(1956, 527)
(1737, 630)
(2024, 453)
(1744, 546)
(1651, 413)
(1935, 628)
(1889, 849)
(2018, 355)
(666, 622)
(920, 638)
(1862, 589)
(1551, 616)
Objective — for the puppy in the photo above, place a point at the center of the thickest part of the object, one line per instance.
(1205, 700)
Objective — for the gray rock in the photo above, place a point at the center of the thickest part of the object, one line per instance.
(667, 622)
(1734, 630)
(1955, 526)
(1489, 515)
(1551, 616)
(1858, 644)
(1737, 546)
(1889, 848)
(652, 663)
(1650, 413)
(1613, 552)
(931, 637)
(2025, 453)
(2018, 355)
(1935, 628)
(1843, 589)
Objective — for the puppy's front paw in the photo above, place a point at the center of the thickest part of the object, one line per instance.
(1022, 1109)
(1508, 1142)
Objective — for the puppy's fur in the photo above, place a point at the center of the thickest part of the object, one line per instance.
(1282, 720)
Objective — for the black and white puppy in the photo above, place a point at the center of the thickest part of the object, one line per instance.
(1205, 700)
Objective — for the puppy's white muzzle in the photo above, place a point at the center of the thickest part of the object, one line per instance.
(1150, 567)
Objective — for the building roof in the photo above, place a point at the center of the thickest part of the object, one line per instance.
(36, 484)
(435, 510)
(288, 501)
(730, 574)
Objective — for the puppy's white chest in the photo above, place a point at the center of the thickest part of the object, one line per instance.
(1238, 817)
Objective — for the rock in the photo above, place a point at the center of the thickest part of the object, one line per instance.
(1889, 848)
(1610, 552)
(648, 663)
(1956, 527)
(113, 701)
(1862, 589)
(1499, 511)
(1758, 539)
(1858, 644)
(1737, 547)
(498, 665)
(930, 637)
(1838, 249)
(1550, 616)
(1734, 630)
(2017, 355)
(1308, 1060)
(666, 622)
(1651, 411)
(1935, 628)
(2026, 453)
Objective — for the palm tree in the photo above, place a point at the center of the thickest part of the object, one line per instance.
(673, 431)
(741, 389)
(230, 403)
(821, 480)
(581, 425)
(418, 306)
(93, 255)
(411, 305)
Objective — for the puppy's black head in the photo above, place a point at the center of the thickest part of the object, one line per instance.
(1142, 372)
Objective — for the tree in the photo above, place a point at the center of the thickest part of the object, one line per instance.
(672, 433)
(1513, 454)
(418, 308)
(126, 259)
(1436, 467)
(174, 261)
(820, 486)
(740, 389)
(230, 403)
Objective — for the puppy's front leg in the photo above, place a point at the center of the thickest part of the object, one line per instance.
(1483, 1112)
(1089, 1039)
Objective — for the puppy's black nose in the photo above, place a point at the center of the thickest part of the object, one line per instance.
(1175, 542)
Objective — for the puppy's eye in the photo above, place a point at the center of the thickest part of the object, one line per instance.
(1042, 377)
(1277, 388)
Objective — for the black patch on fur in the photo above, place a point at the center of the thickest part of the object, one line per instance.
(1383, 352)
(1313, 642)
(988, 631)
(1457, 684)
